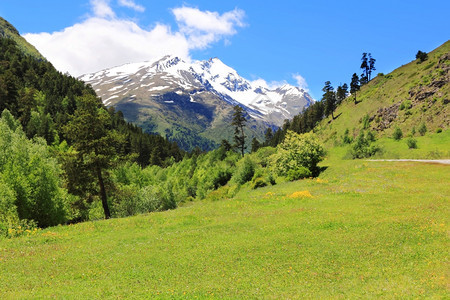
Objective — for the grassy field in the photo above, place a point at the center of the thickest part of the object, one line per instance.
(362, 229)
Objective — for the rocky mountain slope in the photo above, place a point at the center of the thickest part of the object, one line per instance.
(192, 103)
(413, 94)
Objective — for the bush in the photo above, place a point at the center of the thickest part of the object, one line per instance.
(366, 121)
(421, 56)
(258, 182)
(412, 143)
(346, 139)
(245, 171)
(439, 130)
(422, 129)
(363, 148)
(299, 173)
(397, 134)
(405, 105)
(298, 151)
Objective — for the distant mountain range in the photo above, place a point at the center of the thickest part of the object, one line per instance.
(192, 103)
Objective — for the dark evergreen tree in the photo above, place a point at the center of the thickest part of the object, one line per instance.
(239, 124)
(341, 93)
(329, 98)
(255, 145)
(268, 137)
(371, 66)
(421, 56)
(354, 85)
(95, 141)
(365, 69)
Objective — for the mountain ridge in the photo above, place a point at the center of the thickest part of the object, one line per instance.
(158, 92)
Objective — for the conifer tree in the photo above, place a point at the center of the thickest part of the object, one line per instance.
(94, 140)
(239, 124)
(341, 92)
(371, 65)
(354, 85)
(329, 97)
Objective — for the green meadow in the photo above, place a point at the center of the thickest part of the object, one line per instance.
(362, 229)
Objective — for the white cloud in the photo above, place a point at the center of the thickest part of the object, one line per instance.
(102, 9)
(131, 4)
(204, 27)
(272, 85)
(104, 40)
(301, 82)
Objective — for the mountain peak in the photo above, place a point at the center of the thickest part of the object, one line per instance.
(172, 74)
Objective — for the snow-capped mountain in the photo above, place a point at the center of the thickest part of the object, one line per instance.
(203, 90)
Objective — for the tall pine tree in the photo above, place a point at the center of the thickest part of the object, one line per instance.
(96, 143)
(239, 124)
(354, 85)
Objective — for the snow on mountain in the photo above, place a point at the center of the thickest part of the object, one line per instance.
(171, 74)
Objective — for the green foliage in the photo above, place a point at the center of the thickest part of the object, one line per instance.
(245, 171)
(346, 138)
(422, 129)
(397, 134)
(298, 151)
(31, 176)
(299, 173)
(239, 123)
(405, 105)
(438, 130)
(258, 183)
(363, 146)
(421, 56)
(365, 121)
(412, 143)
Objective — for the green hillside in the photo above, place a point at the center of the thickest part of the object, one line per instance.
(357, 231)
(9, 31)
(413, 94)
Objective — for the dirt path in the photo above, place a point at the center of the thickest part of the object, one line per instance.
(430, 161)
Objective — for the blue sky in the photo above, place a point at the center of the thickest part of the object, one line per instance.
(299, 42)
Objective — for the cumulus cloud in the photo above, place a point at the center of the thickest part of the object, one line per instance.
(301, 82)
(131, 4)
(205, 27)
(102, 9)
(103, 40)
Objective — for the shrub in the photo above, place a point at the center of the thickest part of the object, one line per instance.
(413, 131)
(421, 56)
(422, 129)
(439, 130)
(366, 121)
(221, 177)
(258, 182)
(397, 134)
(363, 148)
(405, 105)
(412, 143)
(245, 171)
(297, 174)
(298, 151)
(346, 139)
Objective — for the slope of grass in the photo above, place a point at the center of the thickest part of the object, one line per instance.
(9, 31)
(385, 91)
(363, 229)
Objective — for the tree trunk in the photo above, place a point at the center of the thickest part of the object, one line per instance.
(103, 193)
